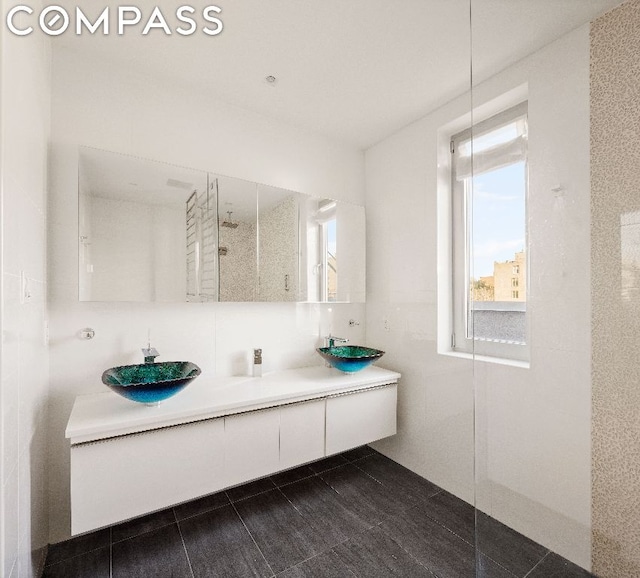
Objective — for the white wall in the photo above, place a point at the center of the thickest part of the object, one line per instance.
(350, 248)
(24, 118)
(533, 425)
(107, 107)
(120, 251)
(435, 397)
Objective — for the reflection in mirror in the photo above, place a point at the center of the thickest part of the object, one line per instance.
(333, 249)
(202, 237)
(237, 230)
(279, 245)
(151, 231)
(348, 254)
(132, 238)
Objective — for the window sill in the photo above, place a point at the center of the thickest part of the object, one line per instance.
(487, 359)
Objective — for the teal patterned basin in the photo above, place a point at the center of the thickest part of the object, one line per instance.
(150, 383)
(350, 358)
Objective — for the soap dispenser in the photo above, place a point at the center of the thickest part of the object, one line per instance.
(257, 363)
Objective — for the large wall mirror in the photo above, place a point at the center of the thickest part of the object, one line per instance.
(152, 231)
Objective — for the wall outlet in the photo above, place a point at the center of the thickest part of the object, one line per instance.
(385, 324)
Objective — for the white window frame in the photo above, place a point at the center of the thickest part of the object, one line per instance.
(323, 248)
(461, 240)
(324, 262)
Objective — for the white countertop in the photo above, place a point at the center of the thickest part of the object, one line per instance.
(104, 415)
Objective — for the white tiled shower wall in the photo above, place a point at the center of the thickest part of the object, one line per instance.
(147, 117)
(532, 426)
(25, 112)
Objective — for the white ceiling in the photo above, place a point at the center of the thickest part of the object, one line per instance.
(353, 70)
(126, 178)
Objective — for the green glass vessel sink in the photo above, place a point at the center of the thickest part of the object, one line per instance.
(150, 383)
(350, 358)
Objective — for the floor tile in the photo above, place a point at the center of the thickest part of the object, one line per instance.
(487, 568)
(409, 485)
(94, 564)
(78, 545)
(325, 510)
(218, 544)
(327, 463)
(251, 489)
(554, 566)
(325, 565)
(453, 513)
(358, 453)
(282, 534)
(444, 553)
(510, 549)
(369, 499)
(201, 505)
(159, 553)
(372, 554)
(142, 524)
(293, 475)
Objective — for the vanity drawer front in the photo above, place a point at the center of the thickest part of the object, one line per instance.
(301, 433)
(251, 445)
(359, 418)
(123, 477)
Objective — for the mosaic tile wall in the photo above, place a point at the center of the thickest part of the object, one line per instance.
(238, 270)
(279, 252)
(615, 291)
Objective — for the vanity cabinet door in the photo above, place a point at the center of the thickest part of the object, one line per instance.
(123, 477)
(251, 442)
(355, 419)
(301, 433)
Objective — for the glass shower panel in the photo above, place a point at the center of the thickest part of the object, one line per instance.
(529, 292)
(410, 290)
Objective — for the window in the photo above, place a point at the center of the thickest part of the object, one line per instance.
(489, 191)
(327, 245)
(330, 261)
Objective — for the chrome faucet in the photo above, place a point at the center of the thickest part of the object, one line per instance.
(332, 339)
(150, 353)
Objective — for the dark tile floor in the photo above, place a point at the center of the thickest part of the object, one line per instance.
(358, 514)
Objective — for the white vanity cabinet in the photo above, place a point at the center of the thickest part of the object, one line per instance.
(251, 445)
(259, 443)
(357, 418)
(301, 433)
(128, 460)
(124, 477)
